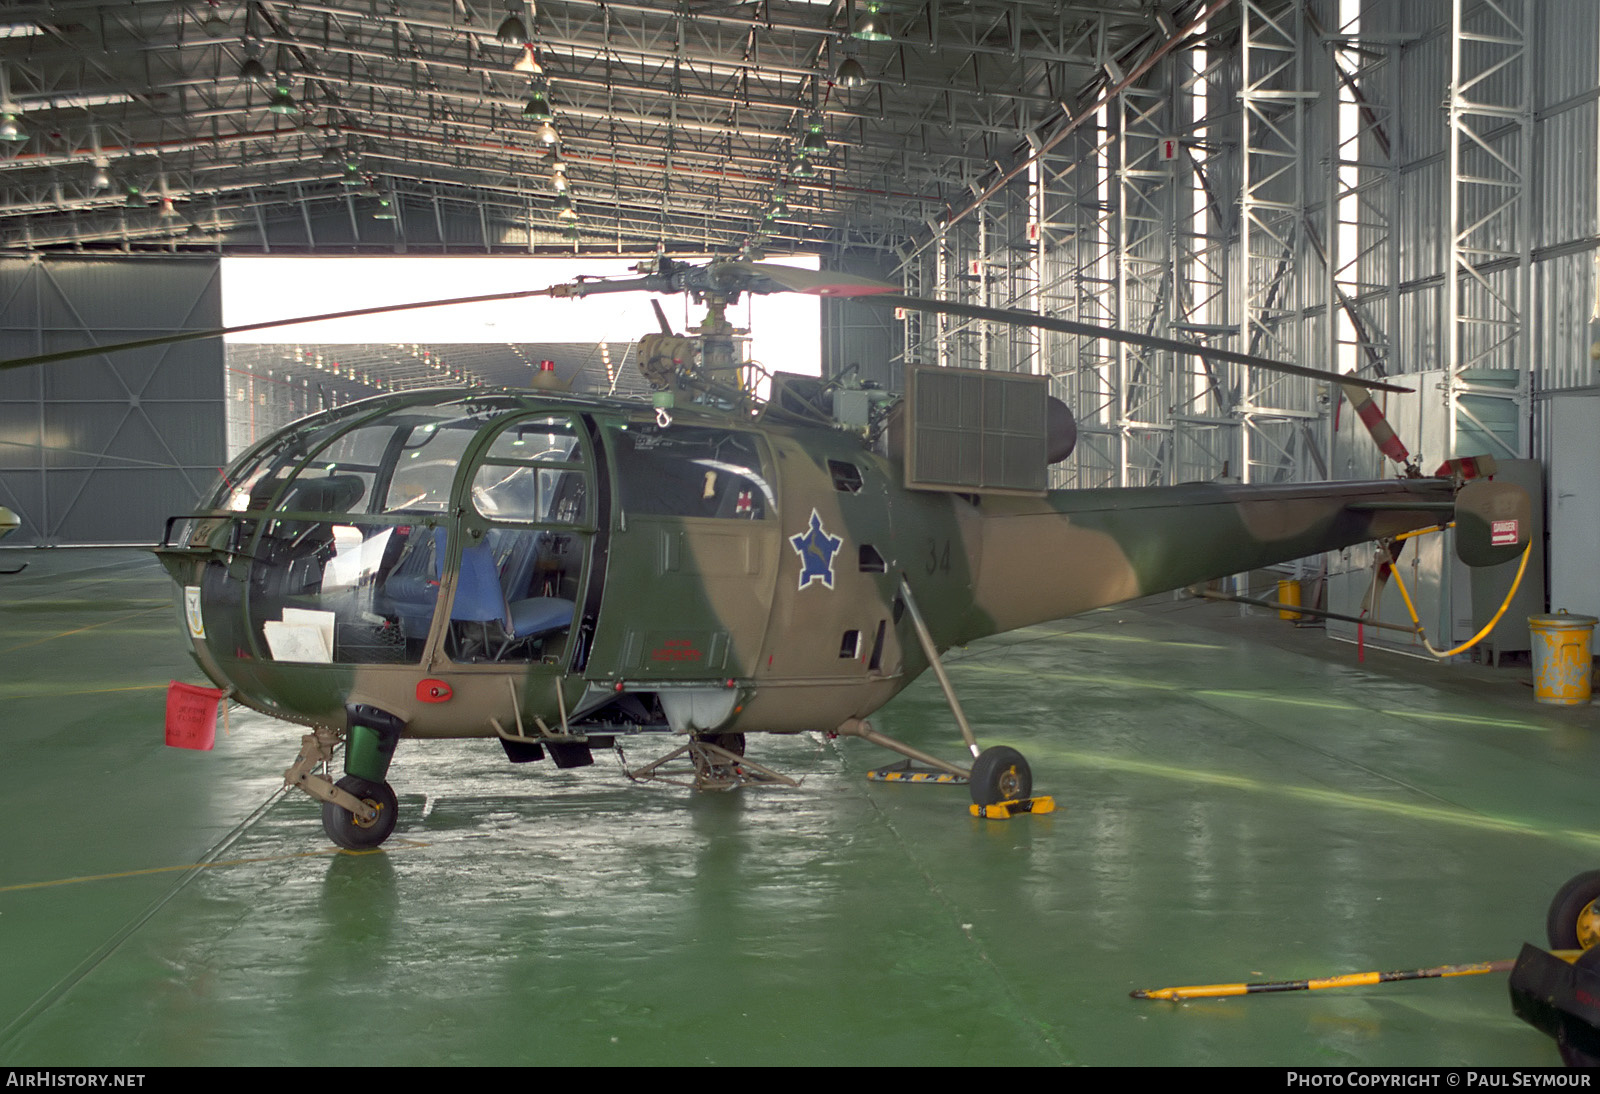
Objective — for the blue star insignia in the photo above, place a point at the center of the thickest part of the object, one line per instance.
(816, 549)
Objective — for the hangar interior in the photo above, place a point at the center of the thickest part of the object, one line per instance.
(1402, 190)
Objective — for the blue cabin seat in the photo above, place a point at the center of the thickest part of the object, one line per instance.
(411, 590)
(481, 599)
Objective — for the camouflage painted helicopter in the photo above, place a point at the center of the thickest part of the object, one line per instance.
(10, 522)
(558, 570)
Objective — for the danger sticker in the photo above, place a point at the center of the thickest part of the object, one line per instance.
(1503, 533)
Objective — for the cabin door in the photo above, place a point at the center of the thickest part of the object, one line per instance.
(693, 556)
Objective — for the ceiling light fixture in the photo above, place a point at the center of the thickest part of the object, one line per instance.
(11, 130)
(850, 74)
(528, 62)
(253, 69)
(163, 202)
(814, 143)
(870, 27)
(512, 31)
(214, 24)
(282, 102)
(537, 108)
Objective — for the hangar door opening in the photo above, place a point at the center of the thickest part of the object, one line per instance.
(103, 449)
(275, 376)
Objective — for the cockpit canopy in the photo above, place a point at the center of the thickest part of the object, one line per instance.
(404, 459)
(348, 520)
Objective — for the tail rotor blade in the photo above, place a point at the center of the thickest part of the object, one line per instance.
(1371, 416)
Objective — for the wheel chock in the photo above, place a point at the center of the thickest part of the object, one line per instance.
(905, 772)
(1556, 994)
(1006, 810)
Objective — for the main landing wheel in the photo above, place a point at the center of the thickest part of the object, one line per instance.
(1000, 774)
(351, 833)
(716, 768)
(731, 742)
(1574, 919)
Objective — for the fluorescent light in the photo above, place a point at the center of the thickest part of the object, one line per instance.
(72, 102)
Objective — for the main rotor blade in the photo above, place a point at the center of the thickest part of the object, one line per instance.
(218, 332)
(817, 282)
(813, 282)
(1150, 341)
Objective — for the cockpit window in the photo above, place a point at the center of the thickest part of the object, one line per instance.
(546, 439)
(691, 472)
(404, 460)
(252, 483)
(341, 477)
(534, 473)
(428, 451)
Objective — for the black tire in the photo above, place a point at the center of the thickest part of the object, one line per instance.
(731, 742)
(1000, 774)
(1573, 922)
(353, 835)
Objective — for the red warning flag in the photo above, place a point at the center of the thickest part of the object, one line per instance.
(192, 715)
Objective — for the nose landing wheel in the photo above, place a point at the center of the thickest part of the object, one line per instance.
(350, 831)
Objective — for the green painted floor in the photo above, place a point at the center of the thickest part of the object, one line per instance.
(1239, 800)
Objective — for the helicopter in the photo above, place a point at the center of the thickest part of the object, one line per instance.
(10, 522)
(559, 571)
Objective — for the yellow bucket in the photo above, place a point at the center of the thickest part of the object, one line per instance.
(1288, 593)
(1562, 663)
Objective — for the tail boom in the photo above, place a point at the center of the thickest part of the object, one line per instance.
(1080, 549)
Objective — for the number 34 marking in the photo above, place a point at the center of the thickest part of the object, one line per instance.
(938, 560)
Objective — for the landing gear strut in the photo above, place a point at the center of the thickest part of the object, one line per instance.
(360, 810)
(1000, 781)
(716, 762)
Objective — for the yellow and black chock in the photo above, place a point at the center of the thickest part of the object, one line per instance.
(1007, 810)
(907, 772)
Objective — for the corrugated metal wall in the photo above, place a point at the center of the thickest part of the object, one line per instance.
(1526, 212)
(103, 450)
(1564, 52)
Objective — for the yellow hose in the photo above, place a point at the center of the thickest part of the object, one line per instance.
(1423, 531)
(1522, 568)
